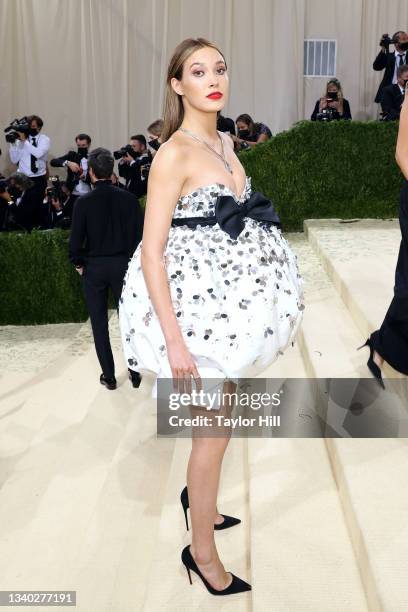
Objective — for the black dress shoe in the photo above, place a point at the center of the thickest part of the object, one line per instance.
(134, 378)
(110, 383)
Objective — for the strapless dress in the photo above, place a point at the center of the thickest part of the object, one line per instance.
(238, 299)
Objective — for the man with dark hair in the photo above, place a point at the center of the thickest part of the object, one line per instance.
(107, 226)
(134, 167)
(30, 153)
(391, 60)
(393, 95)
(76, 163)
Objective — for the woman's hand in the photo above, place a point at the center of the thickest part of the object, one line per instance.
(334, 104)
(322, 104)
(183, 367)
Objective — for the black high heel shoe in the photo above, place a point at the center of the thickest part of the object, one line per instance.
(134, 378)
(237, 585)
(372, 366)
(229, 521)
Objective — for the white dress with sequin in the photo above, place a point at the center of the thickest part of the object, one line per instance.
(238, 302)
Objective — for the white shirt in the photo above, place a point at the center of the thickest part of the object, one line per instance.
(81, 188)
(394, 79)
(21, 151)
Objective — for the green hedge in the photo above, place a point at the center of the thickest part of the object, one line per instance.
(37, 282)
(342, 169)
(315, 170)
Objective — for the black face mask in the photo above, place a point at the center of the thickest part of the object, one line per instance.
(243, 134)
(403, 46)
(83, 151)
(154, 143)
(33, 132)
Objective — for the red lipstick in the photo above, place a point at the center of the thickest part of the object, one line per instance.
(216, 95)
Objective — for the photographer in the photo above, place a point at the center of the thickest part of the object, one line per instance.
(390, 60)
(76, 163)
(154, 131)
(332, 106)
(107, 226)
(134, 165)
(29, 150)
(57, 205)
(249, 133)
(393, 95)
(16, 194)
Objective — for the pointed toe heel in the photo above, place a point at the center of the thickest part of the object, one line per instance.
(237, 585)
(372, 366)
(229, 521)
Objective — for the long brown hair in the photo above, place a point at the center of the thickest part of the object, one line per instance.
(173, 113)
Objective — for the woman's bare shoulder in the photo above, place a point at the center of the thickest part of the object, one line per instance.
(168, 161)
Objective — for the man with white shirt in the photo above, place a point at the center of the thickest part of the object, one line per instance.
(76, 163)
(393, 95)
(30, 153)
(391, 60)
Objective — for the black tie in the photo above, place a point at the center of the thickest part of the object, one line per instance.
(401, 60)
(34, 168)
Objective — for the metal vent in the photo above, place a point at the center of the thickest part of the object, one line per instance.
(320, 58)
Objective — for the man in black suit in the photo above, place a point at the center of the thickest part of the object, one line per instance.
(135, 167)
(393, 95)
(391, 61)
(107, 226)
(76, 163)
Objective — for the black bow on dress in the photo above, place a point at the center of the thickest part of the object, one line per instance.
(230, 215)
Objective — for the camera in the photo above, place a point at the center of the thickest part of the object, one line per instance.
(386, 41)
(54, 192)
(17, 125)
(123, 151)
(327, 114)
(332, 96)
(144, 171)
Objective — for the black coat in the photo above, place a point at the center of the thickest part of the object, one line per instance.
(72, 177)
(385, 60)
(108, 221)
(391, 101)
(346, 111)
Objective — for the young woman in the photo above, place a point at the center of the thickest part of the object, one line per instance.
(339, 104)
(213, 290)
(390, 342)
(249, 132)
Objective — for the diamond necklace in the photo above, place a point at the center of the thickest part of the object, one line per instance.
(222, 156)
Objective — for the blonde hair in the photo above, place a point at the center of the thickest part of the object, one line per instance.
(173, 112)
(340, 96)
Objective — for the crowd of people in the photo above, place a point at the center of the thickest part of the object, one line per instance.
(32, 197)
(333, 106)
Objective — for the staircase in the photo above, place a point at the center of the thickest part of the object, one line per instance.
(89, 498)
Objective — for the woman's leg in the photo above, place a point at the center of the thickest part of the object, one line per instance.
(203, 475)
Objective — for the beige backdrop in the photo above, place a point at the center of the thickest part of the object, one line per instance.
(99, 65)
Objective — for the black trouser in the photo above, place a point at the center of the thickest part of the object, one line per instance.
(99, 274)
(33, 203)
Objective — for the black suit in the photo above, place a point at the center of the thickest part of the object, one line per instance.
(391, 102)
(72, 177)
(132, 173)
(385, 60)
(107, 226)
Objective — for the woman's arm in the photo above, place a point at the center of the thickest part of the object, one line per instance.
(401, 154)
(163, 190)
(166, 178)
